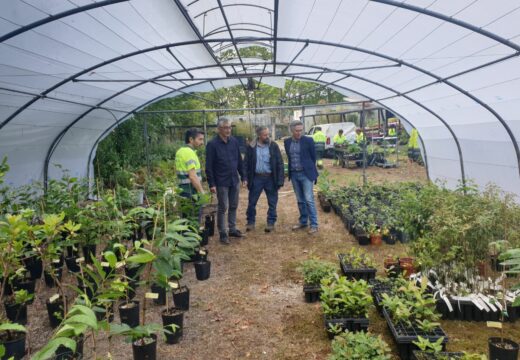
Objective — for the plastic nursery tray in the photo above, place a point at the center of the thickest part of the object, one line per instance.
(355, 273)
(422, 355)
(404, 336)
(312, 293)
(349, 324)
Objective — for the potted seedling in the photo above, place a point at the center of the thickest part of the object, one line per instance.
(12, 340)
(357, 264)
(345, 303)
(501, 347)
(143, 338)
(16, 306)
(314, 271)
(67, 340)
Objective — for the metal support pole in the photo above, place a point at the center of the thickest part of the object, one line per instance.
(362, 122)
(303, 117)
(397, 127)
(205, 128)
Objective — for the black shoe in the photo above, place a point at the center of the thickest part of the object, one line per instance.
(269, 228)
(235, 233)
(224, 240)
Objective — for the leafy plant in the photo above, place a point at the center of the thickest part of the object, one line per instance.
(22, 297)
(359, 346)
(314, 270)
(341, 298)
(430, 347)
(142, 334)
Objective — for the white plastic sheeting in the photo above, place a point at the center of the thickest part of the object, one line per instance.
(75, 69)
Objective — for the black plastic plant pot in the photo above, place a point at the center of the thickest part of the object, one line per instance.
(64, 353)
(17, 313)
(209, 224)
(88, 252)
(55, 310)
(72, 265)
(132, 286)
(423, 355)
(145, 348)
(49, 280)
(204, 234)
(71, 252)
(181, 298)
(347, 324)
(389, 239)
(502, 349)
(312, 293)
(161, 300)
(173, 316)
(202, 270)
(201, 254)
(362, 237)
(129, 313)
(14, 347)
(34, 265)
(132, 272)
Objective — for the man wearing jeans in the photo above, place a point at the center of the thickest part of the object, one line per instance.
(303, 174)
(264, 172)
(223, 165)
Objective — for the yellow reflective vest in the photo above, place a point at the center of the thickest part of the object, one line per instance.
(339, 139)
(413, 143)
(319, 137)
(360, 138)
(392, 132)
(186, 159)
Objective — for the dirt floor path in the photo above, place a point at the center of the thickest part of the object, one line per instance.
(252, 307)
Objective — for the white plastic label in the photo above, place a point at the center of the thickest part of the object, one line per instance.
(54, 297)
(151, 295)
(105, 264)
(120, 264)
(173, 285)
(448, 303)
(80, 260)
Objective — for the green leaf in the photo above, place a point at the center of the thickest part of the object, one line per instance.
(82, 319)
(12, 327)
(110, 258)
(49, 350)
(143, 256)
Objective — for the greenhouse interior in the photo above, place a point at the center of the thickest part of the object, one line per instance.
(137, 138)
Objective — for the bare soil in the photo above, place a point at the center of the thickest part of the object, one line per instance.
(252, 307)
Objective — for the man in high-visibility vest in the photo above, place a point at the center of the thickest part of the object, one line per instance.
(413, 145)
(392, 132)
(339, 141)
(360, 137)
(319, 143)
(187, 164)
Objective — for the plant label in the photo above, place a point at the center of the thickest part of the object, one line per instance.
(151, 295)
(80, 260)
(494, 324)
(54, 297)
(173, 285)
(120, 264)
(202, 252)
(56, 261)
(448, 303)
(105, 264)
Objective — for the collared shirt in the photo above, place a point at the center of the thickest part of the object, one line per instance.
(263, 164)
(294, 153)
(223, 162)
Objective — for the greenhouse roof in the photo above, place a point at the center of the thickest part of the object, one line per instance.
(71, 70)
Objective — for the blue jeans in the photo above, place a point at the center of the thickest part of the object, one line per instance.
(262, 183)
(303, 189)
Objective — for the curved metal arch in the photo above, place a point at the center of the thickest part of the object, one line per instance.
(317, 42)
(123, 118)
(215, 32)
(227, 46)
(237, 24)
(232, 5)
(58, 16)
(451, 20)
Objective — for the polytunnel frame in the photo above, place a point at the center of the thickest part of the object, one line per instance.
(136, 112)
(275, 39)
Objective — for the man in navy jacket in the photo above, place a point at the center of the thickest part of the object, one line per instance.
(301, 154)
(223, 167)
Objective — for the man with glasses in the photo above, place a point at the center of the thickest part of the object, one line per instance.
(301, 154)
(223, 166)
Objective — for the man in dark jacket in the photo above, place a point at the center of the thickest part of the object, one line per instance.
(223, 166)
(264, 172)
(303, 174)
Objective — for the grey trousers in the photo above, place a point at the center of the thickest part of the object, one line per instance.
(227, 197)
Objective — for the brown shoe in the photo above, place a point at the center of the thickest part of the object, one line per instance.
(312, 231)
(299, 227)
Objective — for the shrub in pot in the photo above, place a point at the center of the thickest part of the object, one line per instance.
(16, 306)
(359, 345)
(143, 338)
(314, 271)
(12, 341)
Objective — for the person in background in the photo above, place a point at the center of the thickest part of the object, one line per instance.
(360, 136)
(187, 164)
(319, 143)
(339, 141)
(264, 171)
(303, 174)
(223, 167)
